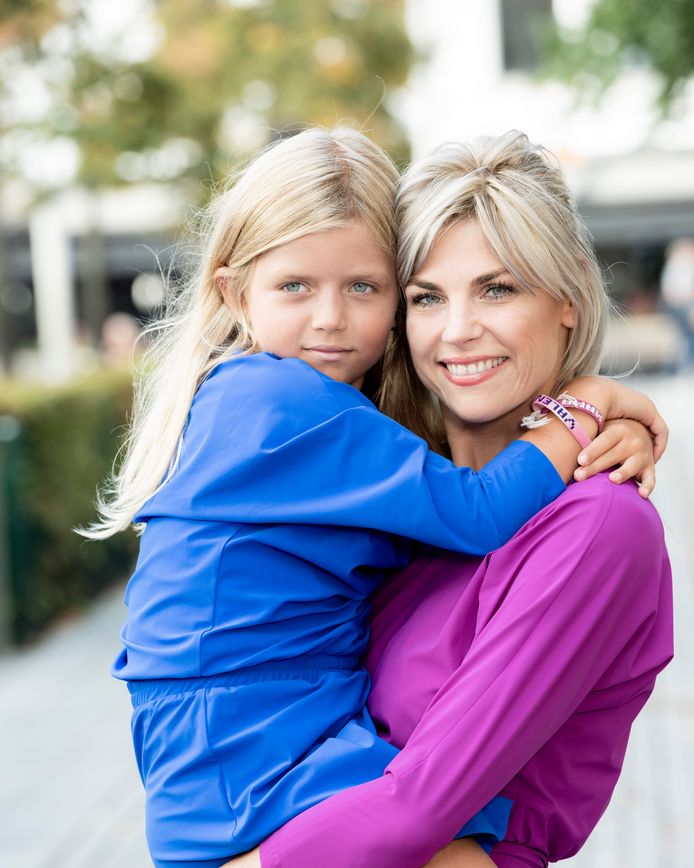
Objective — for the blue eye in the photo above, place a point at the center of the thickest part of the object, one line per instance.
(294, 287)
(424, 299)
(499, 291)
(361, 287)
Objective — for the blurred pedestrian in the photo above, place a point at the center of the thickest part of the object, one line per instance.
(119, 335)
(677, 289)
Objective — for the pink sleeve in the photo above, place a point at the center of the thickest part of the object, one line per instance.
(555, 804)
(586, 578)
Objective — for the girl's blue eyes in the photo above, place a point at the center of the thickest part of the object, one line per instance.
(359, 288)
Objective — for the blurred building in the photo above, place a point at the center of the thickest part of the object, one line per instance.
(72, 262)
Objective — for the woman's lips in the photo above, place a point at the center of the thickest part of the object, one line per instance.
(471, 372)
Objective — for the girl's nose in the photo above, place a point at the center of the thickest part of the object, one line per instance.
(328, 311)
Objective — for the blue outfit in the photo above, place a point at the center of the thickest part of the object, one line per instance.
(248, 608)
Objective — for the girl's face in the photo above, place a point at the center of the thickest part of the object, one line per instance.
(482, 344)
(328, 298)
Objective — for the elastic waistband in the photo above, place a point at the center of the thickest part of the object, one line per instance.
(307, 668)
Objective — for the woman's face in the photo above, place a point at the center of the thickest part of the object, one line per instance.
(482, 344)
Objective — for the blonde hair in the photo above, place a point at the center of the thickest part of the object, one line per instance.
(518, 195)
(314, 181)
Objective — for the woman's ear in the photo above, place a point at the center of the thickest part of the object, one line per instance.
(568, 315)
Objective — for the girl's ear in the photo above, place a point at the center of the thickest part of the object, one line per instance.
(222, 284)
(568, 315)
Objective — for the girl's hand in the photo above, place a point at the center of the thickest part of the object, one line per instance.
(245, 860)
(617, 401)
(627, 403)
(624, 444)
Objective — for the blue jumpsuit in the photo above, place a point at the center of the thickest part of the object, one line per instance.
(248, 607)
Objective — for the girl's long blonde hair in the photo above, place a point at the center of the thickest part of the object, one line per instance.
(314, 181)
(519, 196)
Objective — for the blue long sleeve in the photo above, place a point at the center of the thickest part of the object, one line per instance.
(271, 440)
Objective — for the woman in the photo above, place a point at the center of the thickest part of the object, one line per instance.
(519, 673)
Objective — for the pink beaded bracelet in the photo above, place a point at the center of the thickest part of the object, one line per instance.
(545, 404)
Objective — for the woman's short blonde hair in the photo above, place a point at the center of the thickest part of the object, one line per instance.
(518, 195)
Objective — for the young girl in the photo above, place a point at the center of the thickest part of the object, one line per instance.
(273, 496)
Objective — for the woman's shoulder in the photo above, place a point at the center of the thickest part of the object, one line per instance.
(599, 510)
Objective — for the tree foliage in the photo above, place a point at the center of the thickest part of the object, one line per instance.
(224, 77)
(623, 33)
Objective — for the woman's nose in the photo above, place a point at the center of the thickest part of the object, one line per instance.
(462, 324)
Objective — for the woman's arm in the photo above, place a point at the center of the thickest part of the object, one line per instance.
(582, 580)
(462, 853)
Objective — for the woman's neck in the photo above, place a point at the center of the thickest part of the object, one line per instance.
(473, 445)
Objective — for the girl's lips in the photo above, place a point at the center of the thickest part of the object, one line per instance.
(328, 353)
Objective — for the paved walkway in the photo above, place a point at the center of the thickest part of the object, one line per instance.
(69, 792)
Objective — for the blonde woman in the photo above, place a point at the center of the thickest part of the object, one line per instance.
(519, 673)
(273, 495)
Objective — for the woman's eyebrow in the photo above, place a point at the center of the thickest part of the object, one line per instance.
(481, 279)
(423, 284)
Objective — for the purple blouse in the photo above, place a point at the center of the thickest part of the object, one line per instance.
(518, 673)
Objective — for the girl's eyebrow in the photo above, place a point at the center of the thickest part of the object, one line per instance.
(375, 276)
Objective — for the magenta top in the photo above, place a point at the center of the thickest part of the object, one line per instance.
(518, 673)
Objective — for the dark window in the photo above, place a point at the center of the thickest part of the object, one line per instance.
(521, 22)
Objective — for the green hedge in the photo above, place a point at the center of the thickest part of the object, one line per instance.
(56, 445)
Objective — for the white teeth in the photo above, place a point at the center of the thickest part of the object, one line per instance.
(474, 367)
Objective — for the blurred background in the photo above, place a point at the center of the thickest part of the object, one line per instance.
(117, 120)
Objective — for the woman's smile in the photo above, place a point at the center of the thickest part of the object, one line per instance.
(471, 371)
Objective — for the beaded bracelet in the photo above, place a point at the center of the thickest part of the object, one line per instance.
(569, 401)
(544, 405)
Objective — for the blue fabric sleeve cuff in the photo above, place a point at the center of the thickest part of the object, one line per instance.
(488, 826)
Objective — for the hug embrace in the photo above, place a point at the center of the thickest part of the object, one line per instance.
(399, 597)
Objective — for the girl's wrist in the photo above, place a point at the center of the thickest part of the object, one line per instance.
(598, 391)
(579, 417)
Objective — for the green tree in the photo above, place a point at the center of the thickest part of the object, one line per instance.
(224, 76)
(622, 33)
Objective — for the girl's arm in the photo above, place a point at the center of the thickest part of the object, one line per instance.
(584, 582)
(284, 444)
(634, 443)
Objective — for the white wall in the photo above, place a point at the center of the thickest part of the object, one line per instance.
(463, 90)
